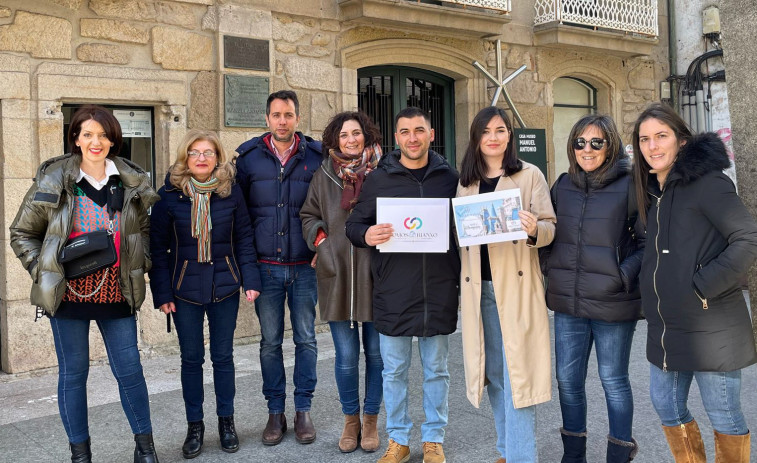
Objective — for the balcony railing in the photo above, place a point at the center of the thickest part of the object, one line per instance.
(497, 5)
(633, 16)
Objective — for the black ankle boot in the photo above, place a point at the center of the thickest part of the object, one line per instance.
(81, 453)
(619, 451)
(193, 443)
(144, 451)
(574, 447)
(227, 433)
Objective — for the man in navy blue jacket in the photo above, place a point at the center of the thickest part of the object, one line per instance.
(274, 171)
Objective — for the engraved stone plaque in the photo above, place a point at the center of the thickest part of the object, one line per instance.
(244, 100)
(244, 53)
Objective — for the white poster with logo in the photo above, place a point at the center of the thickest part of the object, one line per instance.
(420, 224)
(488, 218)
(134, 123)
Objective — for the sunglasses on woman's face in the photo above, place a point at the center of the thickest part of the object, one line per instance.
(595, 143)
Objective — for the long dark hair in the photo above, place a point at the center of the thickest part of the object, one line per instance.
(613, 151)
(666, 115)
(102, 116)
(330, 137)
(473, 168)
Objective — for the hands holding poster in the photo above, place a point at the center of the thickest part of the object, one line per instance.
(420, 224)
(488, 218)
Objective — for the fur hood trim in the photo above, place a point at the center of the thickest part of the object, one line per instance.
(702, 154)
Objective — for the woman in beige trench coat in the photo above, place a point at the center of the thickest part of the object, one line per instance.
(504, 315)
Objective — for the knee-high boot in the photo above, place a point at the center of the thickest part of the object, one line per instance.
(685, 442)
(732, 449)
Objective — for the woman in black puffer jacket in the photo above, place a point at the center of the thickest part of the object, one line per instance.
(592, 267)
(702, 241)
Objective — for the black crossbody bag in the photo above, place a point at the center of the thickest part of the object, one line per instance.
(93, 251)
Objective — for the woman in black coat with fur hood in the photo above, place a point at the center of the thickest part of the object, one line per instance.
(701, 241)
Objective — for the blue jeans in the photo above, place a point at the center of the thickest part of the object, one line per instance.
(396, 352)
(72, 347)
(574, 337)
(347, 366)
(516, 427)
(222, 321)
(720, 391)
(297, 285)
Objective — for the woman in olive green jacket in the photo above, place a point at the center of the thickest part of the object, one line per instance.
(89, 190)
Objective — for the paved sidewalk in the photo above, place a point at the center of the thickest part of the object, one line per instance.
(31, 431)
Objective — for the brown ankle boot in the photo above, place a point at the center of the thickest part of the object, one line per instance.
(351, 434)
(685, 443)
(370, 440)
(732, 449)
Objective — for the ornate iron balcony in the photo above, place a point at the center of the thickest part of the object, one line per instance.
(630, 16)
(503, 6)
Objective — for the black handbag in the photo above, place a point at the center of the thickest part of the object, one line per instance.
(87, 253)
(93, 251)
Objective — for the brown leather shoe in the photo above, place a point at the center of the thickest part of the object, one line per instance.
(501, 460)
(304, 431)
(274, 429)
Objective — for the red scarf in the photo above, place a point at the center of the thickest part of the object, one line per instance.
(352, 169)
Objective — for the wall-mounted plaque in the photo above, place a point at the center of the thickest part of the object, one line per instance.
(531, 146)
(244, 100)
(244, 53)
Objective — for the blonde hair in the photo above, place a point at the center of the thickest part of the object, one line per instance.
(224, 172)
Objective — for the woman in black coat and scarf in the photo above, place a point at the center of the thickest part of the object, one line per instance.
(701, 241)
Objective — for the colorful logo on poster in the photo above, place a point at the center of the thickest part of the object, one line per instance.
(413, 224)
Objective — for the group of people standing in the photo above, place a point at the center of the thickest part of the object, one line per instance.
(292, 220)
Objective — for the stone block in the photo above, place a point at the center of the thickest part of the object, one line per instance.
(330, 25)
(5, 12)
(312, 51)
(151, 326)
(641, 77)
(10, 62)
(15, 108)
(32, 347)
(311, 74)
(102, 53)
(163, 12)
(113, 30)
(14, 85)
(247, 321)
(210, 19)
(283, 47)
(40, 35)
(232, 139)
(291, 32)
(181, 50)
(197, 2)
(322, 108)
(13, 190)
(320, 39)
(16, 138)
(247, 22)
(17, 281)
(85, 87)
(203, 107)
(517, 58)
(70, 4)
(523, 89)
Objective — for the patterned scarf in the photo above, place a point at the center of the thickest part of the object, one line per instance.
(201, 223)
(352, 169)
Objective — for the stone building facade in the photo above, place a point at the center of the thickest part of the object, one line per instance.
(168, 56)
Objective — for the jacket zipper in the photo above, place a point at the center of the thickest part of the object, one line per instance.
(705, 306)
(578, 246)
(181, 276)
(231, 269)
(423, 273)
(654, 281)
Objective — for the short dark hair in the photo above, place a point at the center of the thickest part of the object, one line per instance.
(614, 150)
(330, 138)
(102, 116)
(473, 167)
(410, 112)
(641, 168)
(283, 95)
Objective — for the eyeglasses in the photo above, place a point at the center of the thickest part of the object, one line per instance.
(595, 143)
(207, 153)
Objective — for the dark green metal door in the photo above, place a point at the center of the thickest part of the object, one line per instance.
(383, 91)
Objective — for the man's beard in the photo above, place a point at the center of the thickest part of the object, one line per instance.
(286, 139)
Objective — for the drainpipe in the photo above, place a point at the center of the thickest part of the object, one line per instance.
(673, 54)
